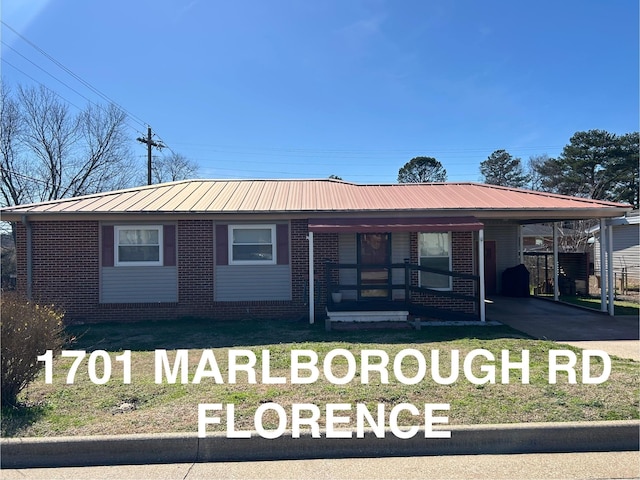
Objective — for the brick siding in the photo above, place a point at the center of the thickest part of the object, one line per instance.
(66, 272)
(462, 245)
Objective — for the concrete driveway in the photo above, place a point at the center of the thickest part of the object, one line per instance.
(563, 323)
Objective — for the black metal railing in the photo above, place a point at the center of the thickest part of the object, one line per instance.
(332, 271)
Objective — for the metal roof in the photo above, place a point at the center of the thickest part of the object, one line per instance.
(317, 196)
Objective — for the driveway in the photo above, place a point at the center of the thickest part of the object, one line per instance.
(563, 323)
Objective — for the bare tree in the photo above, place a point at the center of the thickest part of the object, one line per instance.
(49, 134)
(534, 167)
(14, 174)
(172, 167)
(47, 153)
(105, 148)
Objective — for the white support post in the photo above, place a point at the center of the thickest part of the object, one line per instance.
(481, 273)
(312, 295)
(556, 287)
(612, 287)
(603, 266)
(521, 243)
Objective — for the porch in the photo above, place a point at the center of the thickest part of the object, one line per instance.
(378, 293)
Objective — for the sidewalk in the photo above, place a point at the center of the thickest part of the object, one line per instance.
(566, 466)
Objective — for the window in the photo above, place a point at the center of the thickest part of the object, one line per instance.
(138, 245)
(252, 244)
(435, 252)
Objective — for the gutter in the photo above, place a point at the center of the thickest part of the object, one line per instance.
(29, 256)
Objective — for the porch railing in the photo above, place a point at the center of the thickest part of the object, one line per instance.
(332, 270)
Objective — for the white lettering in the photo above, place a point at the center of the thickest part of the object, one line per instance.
(569, 367)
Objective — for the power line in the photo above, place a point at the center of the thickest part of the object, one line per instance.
(22, 175)
(4, 60)
(75, 76)
(70, 72)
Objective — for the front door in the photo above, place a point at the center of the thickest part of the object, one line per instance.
(490, 271)
(374, 249)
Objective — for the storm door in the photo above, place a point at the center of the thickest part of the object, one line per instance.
(374, 249)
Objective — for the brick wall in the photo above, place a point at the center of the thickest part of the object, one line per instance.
(195, 267)
(462, 250)
(325, 249)
(65, 267)
(66, 272)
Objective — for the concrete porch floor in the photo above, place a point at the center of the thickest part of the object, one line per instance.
(548, 320)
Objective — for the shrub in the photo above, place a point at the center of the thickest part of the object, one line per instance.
(27, 330)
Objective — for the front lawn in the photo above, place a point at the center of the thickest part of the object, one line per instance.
(143, 406)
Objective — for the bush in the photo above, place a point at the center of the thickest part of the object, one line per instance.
(27, 330)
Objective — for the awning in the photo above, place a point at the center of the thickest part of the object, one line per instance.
(394, 224)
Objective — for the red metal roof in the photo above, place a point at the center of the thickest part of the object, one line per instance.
(321, 197)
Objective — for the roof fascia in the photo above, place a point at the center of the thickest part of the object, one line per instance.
(518, 215)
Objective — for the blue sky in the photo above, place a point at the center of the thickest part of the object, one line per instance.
(307, 89)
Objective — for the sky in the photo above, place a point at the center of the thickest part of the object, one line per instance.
(353, 88)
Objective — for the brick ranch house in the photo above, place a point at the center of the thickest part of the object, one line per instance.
(225, 249)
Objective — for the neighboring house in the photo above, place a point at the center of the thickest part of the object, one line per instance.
(626, 249)
(228, 249)
(538, 237)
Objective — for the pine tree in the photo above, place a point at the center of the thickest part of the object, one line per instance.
(500, 168)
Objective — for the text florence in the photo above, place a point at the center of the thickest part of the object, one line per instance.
(307, 416)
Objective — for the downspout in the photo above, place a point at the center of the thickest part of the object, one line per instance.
(29, 257)
(612, 288)
(521, 243)
(481, 274)
(603, 265)
(311, 281)
(556, 287)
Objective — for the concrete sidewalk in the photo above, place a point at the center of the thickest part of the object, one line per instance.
(188, 448)
(540, 466)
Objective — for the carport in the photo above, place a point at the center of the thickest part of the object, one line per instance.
(548, 320)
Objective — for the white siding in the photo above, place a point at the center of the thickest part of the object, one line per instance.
(347, 253)
(139, 284)
(400, 250)
(237, 283)
(626, 252)
(506, 237)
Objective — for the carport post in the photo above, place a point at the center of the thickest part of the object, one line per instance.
(311, 280)
(612, 287)
(603, 266)
(481, 273)
(556, 289)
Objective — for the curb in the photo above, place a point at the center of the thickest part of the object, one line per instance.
(188, 448)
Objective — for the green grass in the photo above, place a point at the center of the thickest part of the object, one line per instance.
(620, 307)
(87, 409)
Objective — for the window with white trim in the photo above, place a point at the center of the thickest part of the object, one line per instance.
(138, 245)
(435, 252)
(252, 244)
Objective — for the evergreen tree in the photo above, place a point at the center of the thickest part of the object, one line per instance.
(422, 169)
(595, 164)
(500, 168)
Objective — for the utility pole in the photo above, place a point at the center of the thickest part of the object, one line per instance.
(150, 143)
